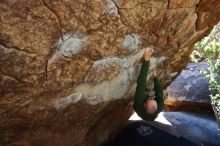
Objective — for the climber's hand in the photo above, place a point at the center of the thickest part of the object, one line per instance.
(148, 53)
(155, 73)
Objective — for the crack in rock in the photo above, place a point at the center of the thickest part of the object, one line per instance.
(10, 76)
(46, 70)
(16, 49)
(56, 16)
(113, 8)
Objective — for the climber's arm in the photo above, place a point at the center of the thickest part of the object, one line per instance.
(142, 79)
(158, 94)
(140, 94)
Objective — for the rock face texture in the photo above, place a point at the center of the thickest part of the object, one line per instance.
(194, 127)
(190, 90)
(68, 68)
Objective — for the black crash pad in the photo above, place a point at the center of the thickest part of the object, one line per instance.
(139, 133)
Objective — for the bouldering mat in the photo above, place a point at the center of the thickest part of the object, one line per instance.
(139, 133)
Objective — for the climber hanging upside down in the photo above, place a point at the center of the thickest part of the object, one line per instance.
(146, 105)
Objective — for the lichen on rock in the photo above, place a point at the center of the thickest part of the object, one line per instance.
(131, 42)
(68, 46)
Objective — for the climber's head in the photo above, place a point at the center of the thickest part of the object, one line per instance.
(150, 105)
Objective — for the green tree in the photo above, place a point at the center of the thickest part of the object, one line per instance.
(208, 50)
(212, 52)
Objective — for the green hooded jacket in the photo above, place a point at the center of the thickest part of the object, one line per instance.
(141, 96)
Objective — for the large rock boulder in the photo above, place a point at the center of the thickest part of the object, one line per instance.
(190, 90)
(194, 127)
(68, 68)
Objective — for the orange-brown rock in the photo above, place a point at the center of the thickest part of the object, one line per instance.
(68, 68)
